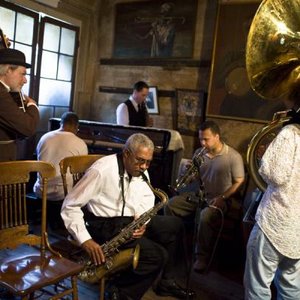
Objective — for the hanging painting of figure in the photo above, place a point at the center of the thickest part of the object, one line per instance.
(157, 29)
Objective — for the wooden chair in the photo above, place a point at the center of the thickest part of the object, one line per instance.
(76, 165)
(32, 264)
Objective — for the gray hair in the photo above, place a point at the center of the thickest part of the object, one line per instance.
(4, 68)
(137, 140)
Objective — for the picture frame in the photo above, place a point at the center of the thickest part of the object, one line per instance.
(230, 95)
(190, 110)
(155, 29)
(152, 101)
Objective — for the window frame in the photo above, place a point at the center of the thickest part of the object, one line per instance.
(35, 16)
(76, 29)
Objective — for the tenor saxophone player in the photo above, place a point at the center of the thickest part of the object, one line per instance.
(221, 173)
(15, 123)
(115, 193)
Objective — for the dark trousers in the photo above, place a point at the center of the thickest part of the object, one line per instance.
(54, 218)
(158, 249)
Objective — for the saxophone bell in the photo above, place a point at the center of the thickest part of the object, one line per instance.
(120, 260)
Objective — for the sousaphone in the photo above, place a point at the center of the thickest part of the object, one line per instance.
(273, 65)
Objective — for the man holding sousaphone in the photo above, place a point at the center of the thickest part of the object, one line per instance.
(272, 60)
(273, 250)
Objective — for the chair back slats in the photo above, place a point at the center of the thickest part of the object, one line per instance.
(76, 165)
(76, 177)
(13, 205)
(14, 178)
(28, 269)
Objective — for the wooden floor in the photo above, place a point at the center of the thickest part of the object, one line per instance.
(223, 282)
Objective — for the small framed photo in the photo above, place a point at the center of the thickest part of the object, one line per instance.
(190, 110)
(151, 101)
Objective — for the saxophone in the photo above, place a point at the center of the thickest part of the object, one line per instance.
(191, 173)
(115, 259)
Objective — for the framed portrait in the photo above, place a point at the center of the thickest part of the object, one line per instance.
(155, 29)
(230, 94)
(151, 101)
(190, 110)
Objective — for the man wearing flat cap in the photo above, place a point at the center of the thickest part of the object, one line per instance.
(16, 121)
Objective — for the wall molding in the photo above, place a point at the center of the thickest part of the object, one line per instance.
(170, 63)
(120, 90)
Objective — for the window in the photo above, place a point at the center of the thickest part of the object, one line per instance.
(52, 54)
(56, 67)
(21, 28)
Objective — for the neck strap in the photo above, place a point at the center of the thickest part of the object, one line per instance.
(121, 175)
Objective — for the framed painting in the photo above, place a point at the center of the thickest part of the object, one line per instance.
(190, 110)
(155, 29)
(230, 93)
(151, 101)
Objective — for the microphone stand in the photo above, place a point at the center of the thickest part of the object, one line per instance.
(201, 203)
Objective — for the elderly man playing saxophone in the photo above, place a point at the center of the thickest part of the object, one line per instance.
(115, 192)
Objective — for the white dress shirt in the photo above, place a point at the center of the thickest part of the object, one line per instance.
(122, 112)
(100, 190)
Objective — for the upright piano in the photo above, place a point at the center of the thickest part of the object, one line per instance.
(106, 138)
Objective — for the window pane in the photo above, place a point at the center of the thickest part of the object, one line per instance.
(24, 31)
(7, 18)
(49, 65)
(53, 92)
(59, 111)
(46, 112)
(27, 50)
(67, 41)
(65, 67)
(51, 37)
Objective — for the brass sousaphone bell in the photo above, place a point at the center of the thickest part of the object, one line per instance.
(273, 65)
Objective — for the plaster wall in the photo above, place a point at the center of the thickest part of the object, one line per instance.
(103, 106)
(97, 19)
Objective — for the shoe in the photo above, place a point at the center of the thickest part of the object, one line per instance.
(200, 266)
(114, 293)
(115, 296)
(171, 288)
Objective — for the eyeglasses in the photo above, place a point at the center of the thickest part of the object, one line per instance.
(140, 161)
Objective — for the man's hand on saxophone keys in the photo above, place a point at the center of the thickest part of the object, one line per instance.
(138, 233)
(95, 251)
